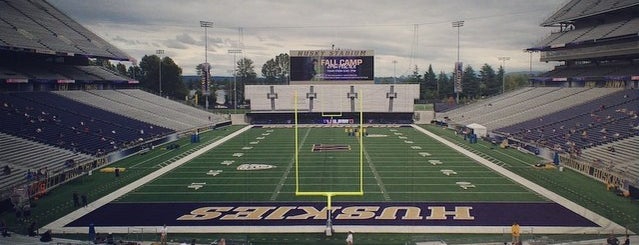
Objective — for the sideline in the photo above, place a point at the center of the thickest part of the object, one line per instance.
(57, 226)
(606, 224)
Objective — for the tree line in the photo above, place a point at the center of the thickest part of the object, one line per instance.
(434, 87)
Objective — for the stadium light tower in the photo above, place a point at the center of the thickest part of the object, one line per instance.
(503, 60)
(235, 52)
(160, 52)
(457, 24)
(206, 25)
(394, 71)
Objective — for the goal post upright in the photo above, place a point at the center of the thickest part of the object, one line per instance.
(297, 148)
(361, 143)
(329, 195)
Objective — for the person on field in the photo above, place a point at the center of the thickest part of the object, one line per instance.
(516, 232)
(349, 238)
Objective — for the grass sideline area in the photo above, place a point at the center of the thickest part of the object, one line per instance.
(570, 184)
(424, 107)
(58, 202)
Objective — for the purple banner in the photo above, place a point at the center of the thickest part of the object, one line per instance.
(360, 213)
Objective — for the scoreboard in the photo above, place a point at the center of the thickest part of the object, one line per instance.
(331, 66)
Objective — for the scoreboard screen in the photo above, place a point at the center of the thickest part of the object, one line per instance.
(331, 66)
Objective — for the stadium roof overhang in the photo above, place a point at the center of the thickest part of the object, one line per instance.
(579, 9)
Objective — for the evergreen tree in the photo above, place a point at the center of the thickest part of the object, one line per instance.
(429, 85)
(489, 85)
(470, 83)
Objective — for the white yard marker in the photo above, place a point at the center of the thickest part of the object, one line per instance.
(213, 172)
(435, 162)
(227, 162)
(465, 185)
(196, 186)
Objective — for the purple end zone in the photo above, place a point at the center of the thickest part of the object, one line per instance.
(348, 213)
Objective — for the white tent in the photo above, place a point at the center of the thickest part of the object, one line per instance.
(479, 129)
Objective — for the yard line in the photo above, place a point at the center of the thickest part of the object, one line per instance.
(278, 188)
(377, 177)
(465, 192)
(166, 152)
(63, 221)
(199, 192)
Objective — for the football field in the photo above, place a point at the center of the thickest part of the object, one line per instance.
(411, 182)
(399, 165)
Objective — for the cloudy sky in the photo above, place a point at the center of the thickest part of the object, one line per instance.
(411, 32)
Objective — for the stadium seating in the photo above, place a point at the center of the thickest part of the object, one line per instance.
(51, 119)
(192, 112)
(592, 70)
(575, 9)
(613, 112)
(624, 158)
(506, 110)
(153, 109)
(39, 26)
(18, 154)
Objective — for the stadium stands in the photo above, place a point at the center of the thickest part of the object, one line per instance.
(595, 122)
(619, 156)
(153, 109)
(18, 154)
(55, 120)
(580, 8)
(36, 25)
(521, 106)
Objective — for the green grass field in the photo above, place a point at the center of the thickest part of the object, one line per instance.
(393, 170)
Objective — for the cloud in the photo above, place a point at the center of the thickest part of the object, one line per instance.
(187, 39)
(413, 32)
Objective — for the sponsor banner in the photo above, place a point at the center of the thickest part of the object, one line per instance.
(205, 77)
(331, 65)
(559, 79)
(458, 77)
(17, 80)
(65, 81)
(307, 213)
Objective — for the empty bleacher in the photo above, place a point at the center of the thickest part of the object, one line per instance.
(581, 8)
(122, 109)
(536, 110)
(47, 118)
(592, 32)
(17, 153)
(605, 119)
(154, 109)
(624, 158)
(37, 25)
(176, 106)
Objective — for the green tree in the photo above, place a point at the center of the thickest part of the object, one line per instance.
(121, 69)
(414, 78)
(277, 70)
(515, 81)
(428, 86)
(134, 72)
(470, 83)
(172, 84)
(488, 83)
(269, 71)
(245, 75)
(446, 88)
(283, 67)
